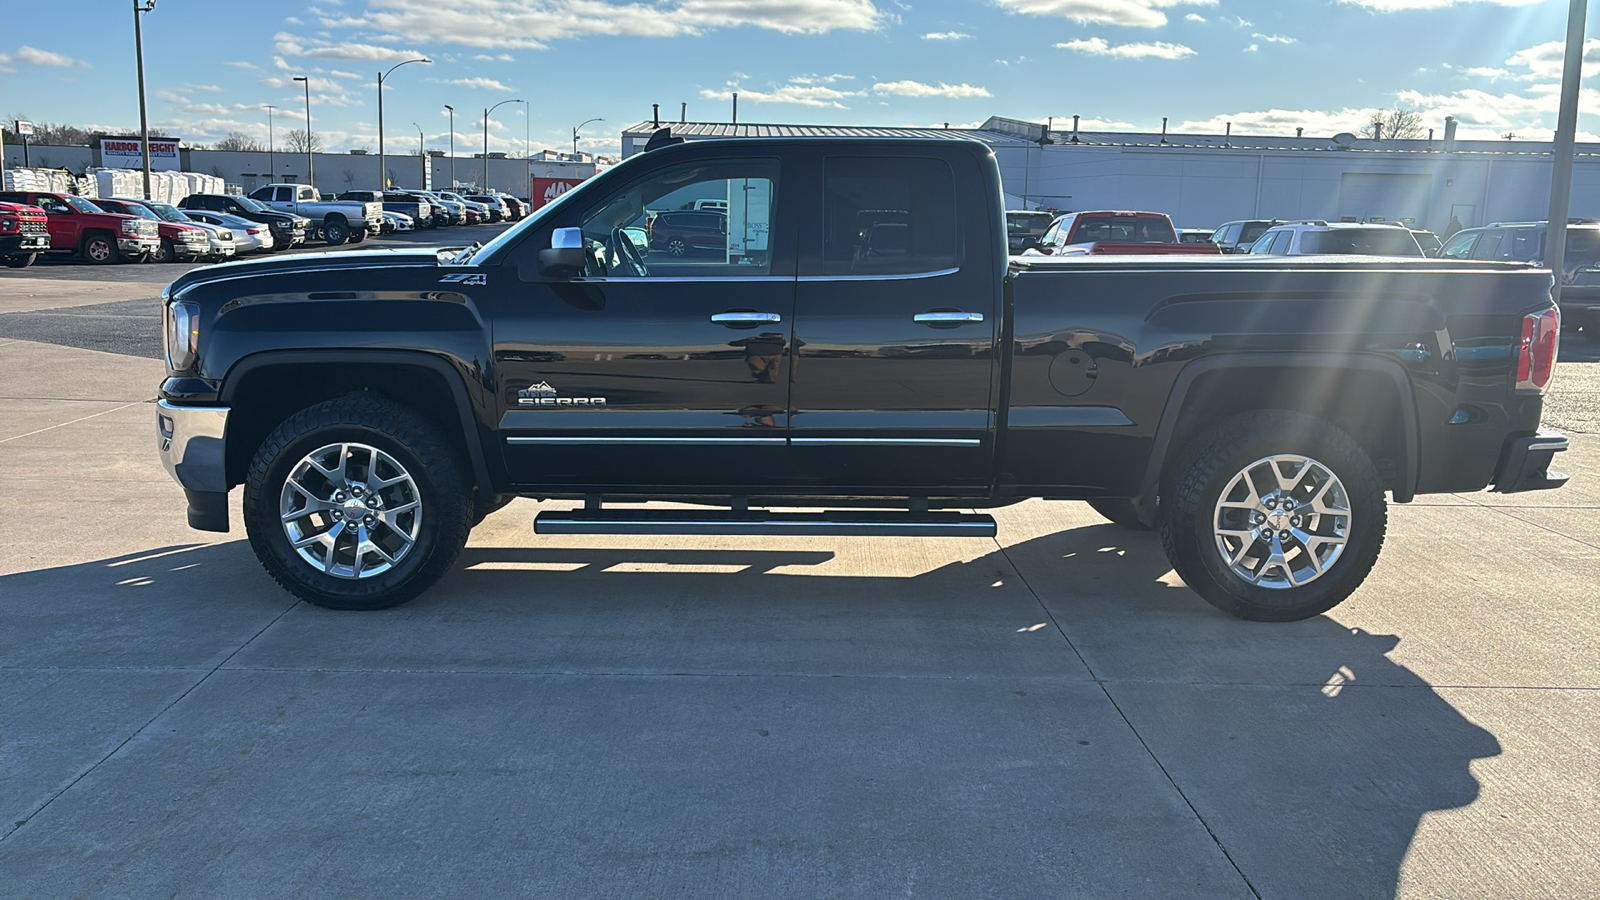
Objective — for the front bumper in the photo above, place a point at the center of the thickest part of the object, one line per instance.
(24, 243)
(192, 441)
(135, 246)
(1525, 463)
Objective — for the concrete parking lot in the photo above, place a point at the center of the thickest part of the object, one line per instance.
(1049, 714)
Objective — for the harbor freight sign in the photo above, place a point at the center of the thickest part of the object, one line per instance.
(124, 153)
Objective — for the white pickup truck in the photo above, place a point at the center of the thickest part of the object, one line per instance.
(337, 220)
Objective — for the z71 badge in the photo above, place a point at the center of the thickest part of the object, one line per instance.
(542, 394)
(464, 278)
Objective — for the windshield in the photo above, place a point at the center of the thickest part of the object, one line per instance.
(513, 234)
(80, 204)
(1253, 230)
(252, 205)
(1028, 223)
(169, 212)
(1123, 230)
(1361, 242)
(135, 209)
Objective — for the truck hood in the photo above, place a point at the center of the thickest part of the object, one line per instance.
(307, 263)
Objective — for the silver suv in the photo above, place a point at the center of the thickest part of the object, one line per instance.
(1340, 238)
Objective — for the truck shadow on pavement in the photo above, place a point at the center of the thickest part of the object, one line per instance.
(1309, 755)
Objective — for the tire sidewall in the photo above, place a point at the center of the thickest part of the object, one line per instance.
(335, 232)
(110, 245)
(271, 543)
(1204, 569)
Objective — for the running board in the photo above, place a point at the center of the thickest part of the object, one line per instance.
(764, 522)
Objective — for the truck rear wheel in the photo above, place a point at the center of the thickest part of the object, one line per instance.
(335, 231)
(357, 235)
(357, 503)
(1274, 516)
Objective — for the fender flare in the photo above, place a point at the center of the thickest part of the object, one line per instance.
(1376, 365)
(421, 358)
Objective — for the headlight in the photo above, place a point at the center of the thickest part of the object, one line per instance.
(226, 235)
(130, 226)
(182, 335)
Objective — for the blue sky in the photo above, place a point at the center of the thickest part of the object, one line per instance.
(1121, 64)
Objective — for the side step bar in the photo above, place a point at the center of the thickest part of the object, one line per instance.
(764, 522)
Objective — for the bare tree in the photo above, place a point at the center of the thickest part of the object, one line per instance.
(238, 140)
(350, 178)
(1396, 124)
(300, 142)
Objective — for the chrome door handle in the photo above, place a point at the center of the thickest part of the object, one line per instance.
(947, 318)
(746, 318)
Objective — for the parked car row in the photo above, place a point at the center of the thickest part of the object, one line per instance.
(218, 227)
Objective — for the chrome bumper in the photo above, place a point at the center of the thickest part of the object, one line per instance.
(191, 440)
(1525, 463)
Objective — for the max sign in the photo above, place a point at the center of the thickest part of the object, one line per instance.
(546, 190)
(123, 153)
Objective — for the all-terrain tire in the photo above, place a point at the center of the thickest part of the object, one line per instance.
(21, 260)
(1192, 488)
(435, 467)
(335, 230)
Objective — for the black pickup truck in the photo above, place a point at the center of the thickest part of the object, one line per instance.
(853, 352)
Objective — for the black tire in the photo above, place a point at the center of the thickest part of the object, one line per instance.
(164, 252)
(1120, 511)
(1191, 489)
(101, 249)
(357, 235)
(412, 441)
(21, 260)
(335, 231)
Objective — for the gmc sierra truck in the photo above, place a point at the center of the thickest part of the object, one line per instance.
(863, 359)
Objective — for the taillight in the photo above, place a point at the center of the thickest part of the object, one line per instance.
(1536, 354)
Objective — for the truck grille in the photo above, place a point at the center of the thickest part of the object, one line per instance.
(31, 227)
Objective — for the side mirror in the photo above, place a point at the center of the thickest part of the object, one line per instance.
(566, 255)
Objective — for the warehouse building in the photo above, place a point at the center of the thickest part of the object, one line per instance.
(1202, 180)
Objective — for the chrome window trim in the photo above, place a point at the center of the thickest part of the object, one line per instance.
(907, 276)
(903, 442)
(579, 439)
(683, 279)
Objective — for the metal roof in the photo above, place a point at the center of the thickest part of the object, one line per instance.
(769, 130)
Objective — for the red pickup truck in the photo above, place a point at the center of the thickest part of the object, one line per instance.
(79, 227)
(1105, 232)
(23, 234)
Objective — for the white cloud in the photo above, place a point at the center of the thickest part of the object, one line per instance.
(1129, 13)
(1317, 123)
(819, 79)
(1155, 50)
(1403, 5)
(1487, 72)
(482, 84)
(919, 89)
(533, 24)
(1194, 17)
(1063, 124)
(241, 64)
(33, 56)
(797, 94)
(292, 45)
(946, 36)
(1275, 38)
(1546, 60)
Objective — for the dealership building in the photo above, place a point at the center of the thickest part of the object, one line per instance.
(543, 173)
(1202, 180)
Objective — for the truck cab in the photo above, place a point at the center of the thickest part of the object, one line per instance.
(79, 228)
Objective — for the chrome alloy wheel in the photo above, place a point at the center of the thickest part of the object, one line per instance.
(1282, 522)
(350, 510)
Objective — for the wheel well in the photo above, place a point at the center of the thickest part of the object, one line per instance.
(1365, 404)
(335, 217)
(266, 396)
(92, 232)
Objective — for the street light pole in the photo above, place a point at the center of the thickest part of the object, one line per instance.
(422, 152)
(383, 174)
(486, 139)
(452, 145)
(272, 159)
(142, 6)
(1555, 243)
(575, 134)
(311, 165)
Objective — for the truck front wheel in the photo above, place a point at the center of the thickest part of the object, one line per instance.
(1274, 516)
(20, 261)
(100, 249)
(357, 503)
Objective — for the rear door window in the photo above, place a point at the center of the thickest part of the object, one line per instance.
(1280, 244)
(888, 216)
(1263, 244)
(1227, 234)
(1523, 244)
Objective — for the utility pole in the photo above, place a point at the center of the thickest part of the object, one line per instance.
(1555, 239)
(486, 139)
(272, 159)
(383, 168)
(452, 145)
(311, 165)
(139, 8)
(422, 153)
